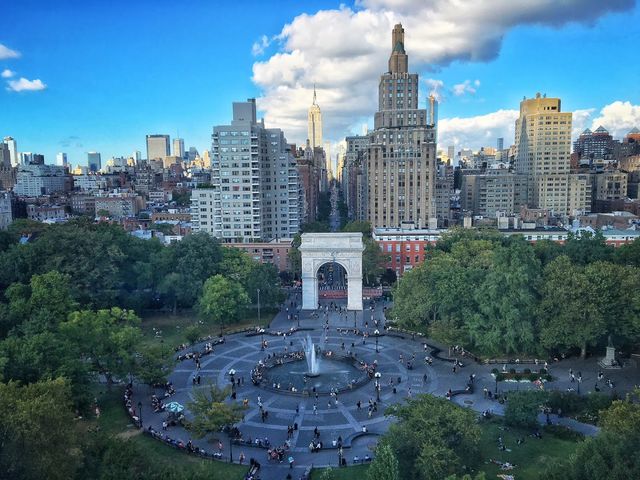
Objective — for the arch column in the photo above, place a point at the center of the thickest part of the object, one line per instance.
(354, 292)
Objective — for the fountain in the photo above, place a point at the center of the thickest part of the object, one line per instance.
(313, 362)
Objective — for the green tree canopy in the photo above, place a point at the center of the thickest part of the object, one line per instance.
(222, 300)
(210, 411)
(433, 438)
(384, 465)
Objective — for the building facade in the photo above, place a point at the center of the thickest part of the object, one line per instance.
(35, 180)
(314, 127)
(401, 158)
(157, 147)
(255, 189)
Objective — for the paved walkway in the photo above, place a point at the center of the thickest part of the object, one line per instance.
(241, 352)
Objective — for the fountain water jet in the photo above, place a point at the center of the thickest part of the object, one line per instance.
(313, 362)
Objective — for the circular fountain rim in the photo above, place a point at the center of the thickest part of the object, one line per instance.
(361, 380)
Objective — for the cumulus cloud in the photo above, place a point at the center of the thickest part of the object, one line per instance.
(24, 85)
(466, 87)
(6, 53)
(345, 50)
(618, 117)
(478, 131)
(6, 73)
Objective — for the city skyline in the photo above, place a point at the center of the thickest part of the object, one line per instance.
(92, 91)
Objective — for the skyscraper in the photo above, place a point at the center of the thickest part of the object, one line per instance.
(401, 157)
(315, 123)
(13, 150)
(500, 144)
(542, 153)
(157, 147)
(178, 147)
(94, 161)
(61, 159)
(255, 190)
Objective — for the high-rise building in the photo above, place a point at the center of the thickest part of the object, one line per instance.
(61, 159)
(178, 147)
(354, 181)
(401, 158)
(595, 145)
(500, 144)
(157, 147)
(5, 156)
(542, 153)
(94, 161)
(315, 123)
(255, 190)
(13, 150)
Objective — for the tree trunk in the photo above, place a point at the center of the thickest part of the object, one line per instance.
(583, 350)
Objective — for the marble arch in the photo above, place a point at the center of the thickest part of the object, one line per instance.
(319, 248)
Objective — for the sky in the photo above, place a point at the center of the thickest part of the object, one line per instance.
(79, 76)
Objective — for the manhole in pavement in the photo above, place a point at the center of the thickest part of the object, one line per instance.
(468, 402)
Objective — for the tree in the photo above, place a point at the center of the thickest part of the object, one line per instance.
(587, 247)
(623, 416)
(506, 299)
(328, 474)
(358, 226)
(210, 411)
(106, 339)
(385, 465)
(222, 300)
(433, 438)
(150, 365)
(581, 306)
(373, 261)
(38, 436)
(523, 407)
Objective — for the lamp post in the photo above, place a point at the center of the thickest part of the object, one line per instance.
(140, 413)
(259, 323)
(354, 320)
(378, 375)
(579, 382)
(376, 333)
(262, 339)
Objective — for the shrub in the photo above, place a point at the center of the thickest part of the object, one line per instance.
(563, 433)
(533, 377)
(527, 371)
(523, 407)
(512, 370)
(192, 334)
(517, 377)
(495, 371)
(543, 371)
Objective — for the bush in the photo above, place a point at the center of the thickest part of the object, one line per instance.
(563, 433)
(192, 334)
(543, 371)
(533, 377)
(512, 370)
(527, 371)
(495, 371)
(523, 407)
(517, 377)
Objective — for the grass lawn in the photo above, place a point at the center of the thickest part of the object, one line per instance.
(114, 420)
(172, 327)
(530, 457)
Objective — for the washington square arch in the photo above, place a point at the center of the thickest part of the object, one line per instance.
(344, 249)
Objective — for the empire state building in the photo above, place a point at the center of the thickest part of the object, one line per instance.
(315, 123)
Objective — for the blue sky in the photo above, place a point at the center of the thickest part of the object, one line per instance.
(116, 73)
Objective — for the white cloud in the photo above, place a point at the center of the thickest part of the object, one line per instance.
(6, 53)
(344, 51)
(6, 73)
(466, 87)
(436, 88)
(259, 47)
(24, 85)
(478, 131)
(618, 117)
